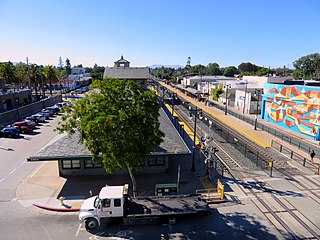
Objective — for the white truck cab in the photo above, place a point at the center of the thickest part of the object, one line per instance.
(109, 203)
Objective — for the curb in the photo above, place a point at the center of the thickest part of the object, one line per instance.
(56, 209)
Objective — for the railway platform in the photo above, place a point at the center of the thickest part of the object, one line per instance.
(259, 136)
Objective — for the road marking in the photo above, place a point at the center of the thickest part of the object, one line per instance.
(37, 170)
(1, 180)
(12, 171)
(79, 228)
(23, 163)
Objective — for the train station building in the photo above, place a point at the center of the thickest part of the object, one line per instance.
(74, 159)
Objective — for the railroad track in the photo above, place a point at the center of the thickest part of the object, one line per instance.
(289, 221)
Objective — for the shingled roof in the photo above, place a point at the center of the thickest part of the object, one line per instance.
(68, 147)
(138, 73)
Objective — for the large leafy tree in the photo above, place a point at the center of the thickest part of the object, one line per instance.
(68, 66)
(247, 67)
(51, 75)
(307, 67)
(213, 69)
(97, 72)
(118, 123)
(197, 70)
(230, 71)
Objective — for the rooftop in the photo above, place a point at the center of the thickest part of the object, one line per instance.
(68, 147)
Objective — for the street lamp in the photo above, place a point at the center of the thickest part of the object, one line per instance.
(193, 168)
(245, 96)
(226, 86)
(17, 105)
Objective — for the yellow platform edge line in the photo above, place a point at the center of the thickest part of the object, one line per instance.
(252, 137)
(186, 128)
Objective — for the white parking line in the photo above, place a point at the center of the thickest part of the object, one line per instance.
(79, 228)
(23, 163)
(1, 180)
(13, 171)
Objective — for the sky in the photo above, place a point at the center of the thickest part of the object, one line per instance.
(270, 33)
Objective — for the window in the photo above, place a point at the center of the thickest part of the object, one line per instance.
(106, 203)
(117, 202)
(70, 164)
(89, 164)
(156, 161)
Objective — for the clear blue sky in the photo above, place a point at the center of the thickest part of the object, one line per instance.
(267, 32)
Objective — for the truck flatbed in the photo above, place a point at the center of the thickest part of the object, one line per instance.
(166, 205)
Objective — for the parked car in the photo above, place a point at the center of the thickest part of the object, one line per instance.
(47, 111)
(29, 122)
(9, 132)
(40, 117)
(55, 109)
(23, 126)
(33, 119)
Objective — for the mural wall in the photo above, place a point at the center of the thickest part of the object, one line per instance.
(294, 107)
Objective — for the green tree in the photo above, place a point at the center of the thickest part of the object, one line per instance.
(197, 70)
(7, 72)
(51, 75)
(230, 71)
(35, 77)
(247, 67)
(213, 69)
(307, 67)
(68, 66)
(217, 91)
(21, 74)
(97, 72)
(118, 123)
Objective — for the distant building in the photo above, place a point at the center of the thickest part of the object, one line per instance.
(123, 71)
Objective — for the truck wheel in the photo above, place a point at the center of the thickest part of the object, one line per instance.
(91, 223)
(172, 220)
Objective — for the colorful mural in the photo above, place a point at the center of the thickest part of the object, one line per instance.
(294, 107)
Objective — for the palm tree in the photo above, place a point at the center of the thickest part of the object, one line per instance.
(35, 74)
(7, 71)
(51, 75)
(216, 92)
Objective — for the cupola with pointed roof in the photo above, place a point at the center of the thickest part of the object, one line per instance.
(122, 63)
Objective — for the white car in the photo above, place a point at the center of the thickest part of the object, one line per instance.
(31, 123)
(40, 117)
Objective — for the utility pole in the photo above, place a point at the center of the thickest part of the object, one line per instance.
(28, 74)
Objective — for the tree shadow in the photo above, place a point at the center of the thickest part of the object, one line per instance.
(215, 226)
(261, 186)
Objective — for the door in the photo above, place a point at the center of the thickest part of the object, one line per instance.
(106, 209)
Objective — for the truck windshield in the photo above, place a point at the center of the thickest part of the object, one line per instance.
(97, 202)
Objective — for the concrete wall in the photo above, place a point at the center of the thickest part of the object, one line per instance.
(294, 107)
(24, 111)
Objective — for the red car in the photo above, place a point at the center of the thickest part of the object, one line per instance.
(23, 126)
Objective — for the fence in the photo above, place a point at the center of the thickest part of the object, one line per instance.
(271, 130)
(292, 155)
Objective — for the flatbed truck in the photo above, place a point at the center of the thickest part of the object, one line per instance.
(114, 202)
